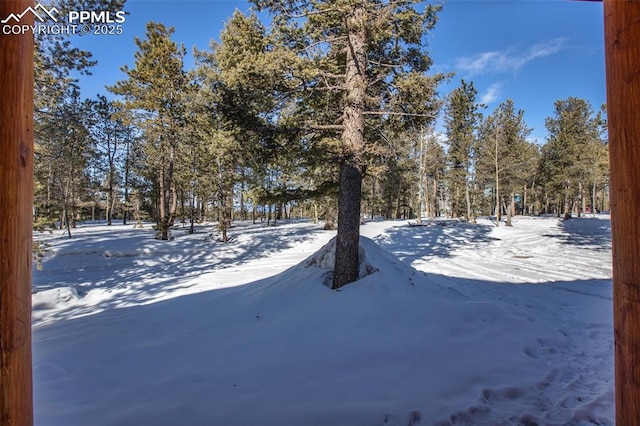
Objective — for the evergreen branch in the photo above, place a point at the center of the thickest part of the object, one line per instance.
(320, 42)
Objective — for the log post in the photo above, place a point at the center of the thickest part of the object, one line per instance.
(16, 203)
(622, 49)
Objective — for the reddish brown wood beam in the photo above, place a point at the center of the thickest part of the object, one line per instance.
(16, 203)
(622, 49)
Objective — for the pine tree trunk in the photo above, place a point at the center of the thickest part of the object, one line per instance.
(497, 170)
(16, 220)
(163, 226)
(581, 198)
(498, 210)
(373, 198)
(567, 206)
(511, 209)
(67, 222)
(436, 202)
(593, 200)
(125, 215)
(349, 197)
(315, 211)
(396, 211)
(467, 199)
(348, 237)
(173, 193)
(427, 201)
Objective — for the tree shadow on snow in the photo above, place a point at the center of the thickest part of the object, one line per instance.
(587, 232)
(236, 347)
(410, 243)
(142, 267)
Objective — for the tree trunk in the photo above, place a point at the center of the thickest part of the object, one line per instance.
(593, 200)
(511, 209)
(349, 197)
(581, 197)
(315, 211)
(427, 201)
(163, 224)
(567, 206)
(396, 210)
(497, 195)
(16, 220)
(436, 202)
(622, 38)
(348, 237)
(373, 198)
(125, 215)
(67, 222)
(467, 199)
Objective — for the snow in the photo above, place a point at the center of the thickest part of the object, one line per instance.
(453, 324)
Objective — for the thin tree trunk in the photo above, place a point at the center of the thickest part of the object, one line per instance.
(497, 197)
(125, 216)
(16, 219)
(373, 198)
(436, 200)
(315, 211)
(192, 213)
(467, 199)
(427, 201)
(67, 222)
(163, 227)
(511, 209)
(567, 206)
(396, 211)
(593, 200)
(584, 200)
(580, 206)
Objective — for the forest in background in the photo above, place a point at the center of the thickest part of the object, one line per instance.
(256, 131)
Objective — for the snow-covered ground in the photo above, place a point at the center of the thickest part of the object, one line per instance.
(457, 324)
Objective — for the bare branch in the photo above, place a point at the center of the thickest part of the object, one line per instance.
(397, 113)
(336, 127)
(382, 64)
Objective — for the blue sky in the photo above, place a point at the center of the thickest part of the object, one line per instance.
(532, 51)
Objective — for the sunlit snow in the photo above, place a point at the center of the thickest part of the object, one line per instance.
(453, 324)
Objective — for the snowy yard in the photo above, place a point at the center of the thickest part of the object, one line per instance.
(459, 324)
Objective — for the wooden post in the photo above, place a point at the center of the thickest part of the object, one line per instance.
(16, 203)
(622, 49)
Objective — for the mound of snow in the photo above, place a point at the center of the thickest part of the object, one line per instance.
(326, 256)
(49, 299)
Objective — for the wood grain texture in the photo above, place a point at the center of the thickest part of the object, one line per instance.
(16, 203)
(622, 49)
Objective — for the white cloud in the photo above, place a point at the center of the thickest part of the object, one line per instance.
(491, 94)
(508, 60)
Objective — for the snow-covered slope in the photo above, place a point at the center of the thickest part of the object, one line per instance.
(458, 324)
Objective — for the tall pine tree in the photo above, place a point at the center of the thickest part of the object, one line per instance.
(503, 155)
(461, 123)
(365, 63)
(154, 94)
(565, 161)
